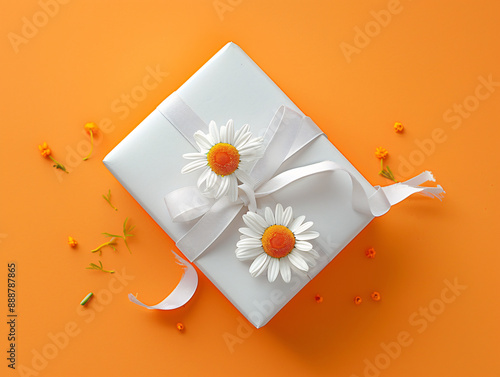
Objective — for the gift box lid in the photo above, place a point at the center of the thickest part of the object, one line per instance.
(148, 163)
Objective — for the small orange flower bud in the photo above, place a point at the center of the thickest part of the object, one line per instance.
(398, 127)
(44, 150)
(72, 242)
(375, 296)
(370, 253)
(91, 126)
(381, 153)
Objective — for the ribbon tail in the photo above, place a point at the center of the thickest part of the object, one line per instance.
(181, 294)
(399, 191)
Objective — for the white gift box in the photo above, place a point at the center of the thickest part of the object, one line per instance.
(148, 164)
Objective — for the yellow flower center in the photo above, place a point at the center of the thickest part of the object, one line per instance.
(278, 241)
(223, 159)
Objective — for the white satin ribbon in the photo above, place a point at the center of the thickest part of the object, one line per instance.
(287, 133)
(182, 292)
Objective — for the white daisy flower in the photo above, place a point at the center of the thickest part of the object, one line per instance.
(224, 157)
(276, 242)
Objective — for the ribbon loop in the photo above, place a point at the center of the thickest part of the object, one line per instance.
(248, 197)
(287, 133)
(187, 203)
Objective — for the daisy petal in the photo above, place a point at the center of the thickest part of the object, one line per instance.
(250, 148)
(268, 213)
(296, 260)
(259, 265)
(273, 269)
(194, 156)
(224, 186)
(203, 141)
(244, 177)
(223, 134)
(303, 227)
(303, 245)
(214, 132)
(193, 165)
(304, 236)
(310, 260)
(250, 233)
(243, 138)
(249, 242)
(285, 271)
(203, 177)
(246, 254)
(296, 223)
(240, 134)
(230, 131)
(255, 222)
(211, 180)
(232, 191)
(278, 214)
(287, 216)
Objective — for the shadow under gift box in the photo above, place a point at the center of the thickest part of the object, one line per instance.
(149, 160)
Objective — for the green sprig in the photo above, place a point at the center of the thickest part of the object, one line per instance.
(387, 172)
(108, 199)
(58, 165)
(93, 266)
(126, 233)
(111, 243)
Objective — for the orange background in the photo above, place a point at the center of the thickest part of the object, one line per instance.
(413, 66)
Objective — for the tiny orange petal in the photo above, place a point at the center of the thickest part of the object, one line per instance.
(318, 298)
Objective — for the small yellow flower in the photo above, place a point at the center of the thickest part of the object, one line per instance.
(398, 127)
(44, 150)
(91, 128)
(381, 153)
(72, 242)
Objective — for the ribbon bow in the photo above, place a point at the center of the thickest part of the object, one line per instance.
(287, 133)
